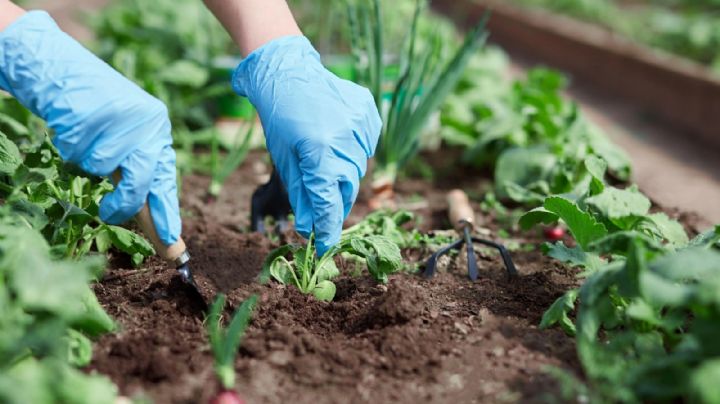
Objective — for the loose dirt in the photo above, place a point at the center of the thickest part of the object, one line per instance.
(446, 339)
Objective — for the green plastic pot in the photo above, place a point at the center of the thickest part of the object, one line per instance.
(230, 105)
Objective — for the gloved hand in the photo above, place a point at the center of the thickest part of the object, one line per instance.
(320, 131)
(102, 121)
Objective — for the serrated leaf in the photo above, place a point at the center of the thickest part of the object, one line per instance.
(558, 312)
(669, 230)
(620, 206)
(574, 256)
(129, 242)
(10, 158)
(581, 224)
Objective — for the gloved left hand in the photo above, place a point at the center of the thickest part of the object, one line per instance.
(320, 131)
(102, 121)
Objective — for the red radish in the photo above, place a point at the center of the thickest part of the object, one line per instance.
(227, 397)
(554, 233)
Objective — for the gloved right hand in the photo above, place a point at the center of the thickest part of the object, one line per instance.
(102, 121)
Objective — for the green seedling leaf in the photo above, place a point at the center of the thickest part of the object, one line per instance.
(79, 348)
(619, 243)
(129, 242)
(324, 290)
(10, 158)
(581, 224)
(704, 382)
(621, 206)
(574, 256)
(661, 227)
(597, 168)
(224, 342)
(277, 266)
(523, 167)
(537, 216)
(708, 239)
(184, 73)
(558, 312)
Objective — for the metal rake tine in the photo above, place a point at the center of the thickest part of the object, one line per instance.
(471, 260)
(507, 260)
(431, 263)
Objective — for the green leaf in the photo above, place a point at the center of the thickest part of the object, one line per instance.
(581, 224)
(667, 229)
(574, 256)
(103, 241)
(10, 158)
(92, 318)
(522, 166)
(619, 242)
(269, 263)
(537, 216)
(184, 73)
(620, 206)
(693, 263)
(324, 290)
(129, 242)
(558, 312)
(704, 382)
(79, 348)
(597, 168)
(327, 270)
(708, 239)
(381, 255)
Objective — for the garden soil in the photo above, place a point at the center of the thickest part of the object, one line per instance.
(446, 339)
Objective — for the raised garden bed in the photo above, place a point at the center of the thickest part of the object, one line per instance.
(445, 339)
(674, 88)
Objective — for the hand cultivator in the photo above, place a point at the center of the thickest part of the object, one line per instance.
(463, 218)
(270, 199)
(176, 254)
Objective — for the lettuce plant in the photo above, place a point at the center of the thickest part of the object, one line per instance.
(313, 274)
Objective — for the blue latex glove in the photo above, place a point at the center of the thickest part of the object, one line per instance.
(320, 131)
(102, 121)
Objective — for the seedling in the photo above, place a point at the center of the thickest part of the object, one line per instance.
(421, 88)
(221, 169)
(224, 343)
(313, 274)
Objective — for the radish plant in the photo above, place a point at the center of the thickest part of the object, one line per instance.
(224, 342)
(313, 275)
(424, 82)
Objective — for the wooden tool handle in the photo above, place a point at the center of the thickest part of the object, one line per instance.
(146, 224)
(460, 210)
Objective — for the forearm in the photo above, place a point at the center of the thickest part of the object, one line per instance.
(253, 23)
(9, 12)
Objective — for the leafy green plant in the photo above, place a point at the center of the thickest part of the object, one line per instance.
(646, 312)
(538, 143)
(53, 198)
(47, 325)
(398, 226)
(313, 274)
(166, 47)
(425, 80)
(221, 168)
(225, 342)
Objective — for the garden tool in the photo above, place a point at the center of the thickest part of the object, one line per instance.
(270, 199)
(463, 218)
(176, 254)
